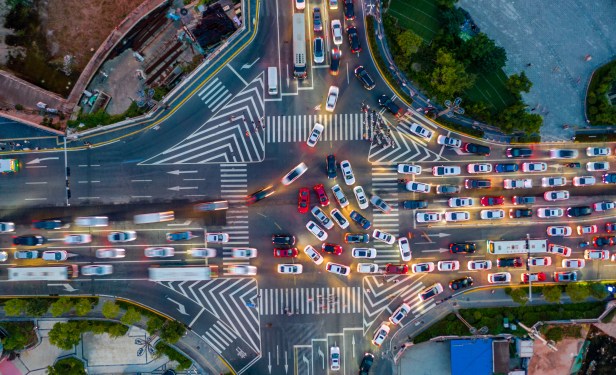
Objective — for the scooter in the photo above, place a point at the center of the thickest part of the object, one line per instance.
(584, 244)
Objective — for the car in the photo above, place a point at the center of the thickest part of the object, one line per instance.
(473, 265)
(517, 213)
(520, 183)
(158, 252)
(360, 196)
(414, 204)
(333, 4)
(573, 263)
(202, 252)
(556, 195)
(380, 204)
(322, 217)
(471, 183)
(366, 363)
(431, 292)
(48, 224)
(318, 50)
(286, 253)
(533, 277)
(319, 233)
(453, 216)
(597, 254)
(349, 11)
(385, 237)
(209, 237)
(506, 168)
(460, 202)
(242, 270)
(259, 195)
(332, 98)
(315, 134)
(340, 197)
(610, 227)
(317, 19)
(55, 255)
(380, 334)
(303, 200)
(26, 254)
(462, 247)
(421, 131)
(461, 283)
(491, 200)
(409, 169)
(336, 32)
(331, 248)
(518, 152)
(313, 254)
(334, 358)
(319, 189)
(211, 206)
(179, 236)
(423, 267)
(565, 276)
(587, 229)
(356, 238)
(473, 148)
(385, 101)
(448, 141)
(281, 240)
(448, 265)
(363, 252)
(559, 250)
(334, 65)
(338, 269)
(492, 214)
(447, 189)
(294, 174)
(604, 206)
(578, 211)
(405, 249)
(399, 314)
(609, 178)
(446, 171)
(534, 167)
(562, 231)
(479, 168)
(362, 75)
(110, 253)
(300, 4)
(123, 236)
(353, 36)
(601, 241)
(553, 181)
(293, 269)
(360, 220)
(563, 154)
(516, 200)
(539, 261)
(598, 151)
(29, 240)
(499, 277)
(97, 270)
(509, 262)
(396, 269)
(597, 166)
(428, 217)
(367, 268)
(92, 221)
(549, 212)
(339, 218)
(584, 181)
(347, 172)
(418, 187)
(77, 239)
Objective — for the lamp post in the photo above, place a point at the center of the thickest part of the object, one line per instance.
(530, 281)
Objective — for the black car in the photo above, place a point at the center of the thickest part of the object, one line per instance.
(519, 152)
(356, 238)
(609, 178)
(522, 200)
(29, 240)
(359, 219)
(462, 247)
(509, 262)
(476, 149)
(353, 39)
(516, 213)
(412, 204)
(366, 363)
(472, 183)
(385, 101)
(316, 19)
(47, 224)
(603, 241)
(260, 195)
(506, 168)
(362, 74)
(447, 189)
(578, 211)
(283, 240)
(334, 66)
(462, 283)
(330, 164)
(349, 11)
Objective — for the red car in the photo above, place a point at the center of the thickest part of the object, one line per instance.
(303, 200)
(492, 201)
(399, 269)
(320, 190)
(331, 248)
(286, 253)
(536, 277)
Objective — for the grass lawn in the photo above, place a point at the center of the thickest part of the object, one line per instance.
(421, 16)
(490, 88)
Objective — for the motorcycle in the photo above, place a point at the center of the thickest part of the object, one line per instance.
(584, 244)
(402, 181)
(574, 165)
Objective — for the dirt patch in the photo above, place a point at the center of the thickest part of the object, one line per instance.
(548, 362)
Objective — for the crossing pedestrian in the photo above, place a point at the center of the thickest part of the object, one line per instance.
(247, 133)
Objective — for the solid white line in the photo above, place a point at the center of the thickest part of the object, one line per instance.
(141, 196)
(35, 199)
(237, 74)
(35, 183)
(196, 317)
(140, 180)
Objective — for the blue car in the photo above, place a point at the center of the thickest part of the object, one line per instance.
(179, 236)
(360, 220)
(506, 167)
(331, 166)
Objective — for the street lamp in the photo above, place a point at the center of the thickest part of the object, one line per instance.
(530, 281)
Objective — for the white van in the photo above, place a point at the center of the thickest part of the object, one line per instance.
(272, 80)
(155, 217)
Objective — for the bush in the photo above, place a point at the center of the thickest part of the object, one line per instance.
(154, 324)
(174, 355)
(37, 306)
(552, 293)
(19, 335)
(555, 334)
(520, 296)
(15, 307)
(67, 366)
(171, 331)
(110, 309)
(61, 306)
(600, 110)
(131, 316)
(598, 290)
(578, 292)
(84, 306)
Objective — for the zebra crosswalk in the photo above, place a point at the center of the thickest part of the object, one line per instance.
(384, 184)
(234, 188)
(297, 128)
(219, 336)
(327, 300)
(214, 94)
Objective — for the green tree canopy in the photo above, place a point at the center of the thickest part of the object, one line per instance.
(14, 307)
(37, 306)
(154, 324)
(83, 306)
(409, 43)
(172, 331)
(110, 309)
(480, 53)
(67, 366)
(65, 335)
(18, 336)
(578, 292)
(517, 83)
(519, 295)
(598, 290)
(515, 119)
(449, 78)
(552, 293)
(131, 316)
(61, 306)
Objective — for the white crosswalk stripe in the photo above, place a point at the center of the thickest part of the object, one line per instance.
(219, 337)
(297, 128)
(214, 94)
(234, 188)
(327, 300)
(384, 184)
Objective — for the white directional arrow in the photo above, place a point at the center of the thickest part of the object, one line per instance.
(307, 362)
(177, 172)
(181, 307)
(353, 346)
(441, 200)
(269, 362)
(435, 251)
(286, 364)
(67, 287)
(439, 235)
(322, 356)
(247, 66)
(178, 188)
(37, 161)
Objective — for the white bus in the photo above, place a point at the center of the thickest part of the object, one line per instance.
(300, 69)
(55, 273)
(182, 273)
(517, 247)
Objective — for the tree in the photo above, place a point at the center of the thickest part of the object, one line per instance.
(480, 53)
(65, 335)
(154, 324)
(517, 83)
(515, 118)
(172, 331)
(409, 43)
(61, 306)
(555, 334)
(552, 293)
(131, 316)
(449, 77)
(14, 307)
(111, 309)
(67, 366)
(598, 291)
(452, 19)
(578, 292)
(117, 330)
(519, 295)
(83, 306)
(37, 306)
(18, 335)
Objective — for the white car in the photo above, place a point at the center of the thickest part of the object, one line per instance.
(158, 252)
(97, 270)
(573, 263)
(420, 131)
(92, 221)
(418, 187)
(409, 169)
(448, 265)
(380, 204)
(55, 255)
(405, 249)
(337, 32)
(549, 212)
(124, 236)
(110, 253)
(360, 196)
(584, 181)
(383, 237)
(553, 181)
(313, 254)
(380, 334)
(442, 170)
(453, 216)
(7, 227)
(243, 270)
(597, 254)
(367, 268)
(587, 229)
(603, 206)
(332, 98)
(244, 252)
(334, 358)
(563, 154)
(479, 168)
(317, 130)
(556, 195)
(559, 250)
(318, 50)
(338, 269)
(430, 292)
(428, 217)
(524, 183)
(217, 237)
(448, 141)
(294, 269)
(347, 172)
(598, 151)
(492, 214)
(422, 267)
(399, 314)
(542, 261)
(363, 252)
(499, 277)
(300, 4)
(339, 218)
(559, 231)
(534, 167)
(294, 174)
(202, 252)
(473, 265)
(318, 213)
(340, 197)
(77, 239)
(597, 166)
(319, 233)
(460, 202)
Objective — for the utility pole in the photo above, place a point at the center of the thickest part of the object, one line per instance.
(530, 281)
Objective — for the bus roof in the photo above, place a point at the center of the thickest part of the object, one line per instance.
(41, 273)
(184, 273)
(517, 247)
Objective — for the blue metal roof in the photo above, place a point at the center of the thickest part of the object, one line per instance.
(471, 357)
